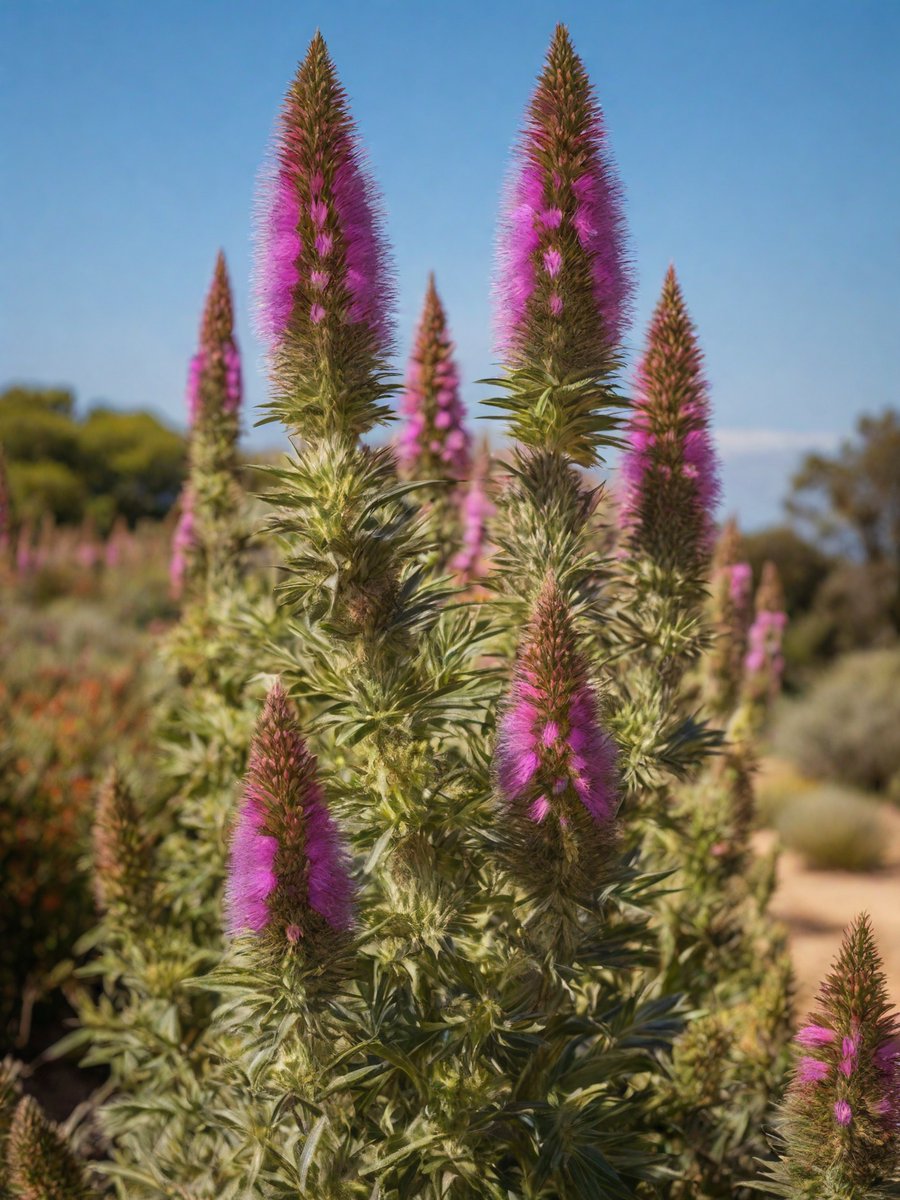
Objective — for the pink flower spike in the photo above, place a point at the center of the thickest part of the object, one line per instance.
(843, 1113)
(811, 1070)
(815, 1035)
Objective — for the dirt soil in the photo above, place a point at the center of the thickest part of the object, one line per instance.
(816, 906)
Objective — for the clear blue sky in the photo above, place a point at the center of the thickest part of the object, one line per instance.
(758, 142)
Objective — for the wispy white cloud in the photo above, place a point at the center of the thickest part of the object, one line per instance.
(735, 443)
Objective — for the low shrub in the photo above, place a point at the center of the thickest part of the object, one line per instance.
(834, 828)
(847, 728)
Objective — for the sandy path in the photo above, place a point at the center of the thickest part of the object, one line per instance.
(817, 905)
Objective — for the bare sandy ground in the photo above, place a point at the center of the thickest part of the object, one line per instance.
(816, 906)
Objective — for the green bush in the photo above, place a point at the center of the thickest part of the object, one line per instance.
(834, 829)
(847, 728)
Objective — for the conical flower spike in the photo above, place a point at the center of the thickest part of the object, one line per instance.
(433, 442)
(471, 559)
(555, 765)
(563, 285)
(323, 285)
(122, 867)
(764, 662)
(41, 1165)
(841, 1119)
(669, 470)
(214, 379)
(288, 874)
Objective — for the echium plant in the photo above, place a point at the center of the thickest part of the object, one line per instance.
(838, 1132)
(694, 813)
(433, 444)
(764, 661)
(206, 536)
(447, 1043)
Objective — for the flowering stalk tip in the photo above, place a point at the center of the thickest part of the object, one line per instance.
(288, 873)
(669, 470)
(323, 286)
(563, 285)
(555, 764)
(841, 1117)
(433, 442)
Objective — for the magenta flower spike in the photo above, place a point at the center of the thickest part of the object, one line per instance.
(433, 442)
(563, 286)
(214, 376)
(670, 476)
(764, 661)
(470, 562)
(288, 873)
(553, 759)
(841, 1117)
(322, 279)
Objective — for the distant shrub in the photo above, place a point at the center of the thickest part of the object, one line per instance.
(778, 785)
(847, 728)
(834, 829)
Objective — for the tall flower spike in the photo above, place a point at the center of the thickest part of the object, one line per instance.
(214, 377)
(764, 662)
(323, 287)
(122, 868)
(670, 483)
(41, 1165)
(433, 442)
(840, 1124)
(563, 285)
(555, 765)
(288, 875)
(471, 559)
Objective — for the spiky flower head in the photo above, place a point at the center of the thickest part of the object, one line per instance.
(184, 544)
(214, 378)
(287, 877)
(41, 1165)
(433, 442)
(764, 661)
(323, 285)
(121, 849)
(841, 1118)
(563, 285)
(669, 470)
(555, 765)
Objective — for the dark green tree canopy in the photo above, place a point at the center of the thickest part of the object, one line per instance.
(105, 465)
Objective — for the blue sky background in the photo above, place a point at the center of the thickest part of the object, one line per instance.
(758, 143)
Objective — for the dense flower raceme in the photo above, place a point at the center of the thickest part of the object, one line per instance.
(670, 483)
(322, 260)
(553, 758)
(764, 661)
(287, 874)
(184, 543)
(121, 851)
(731, 587)
(214, 376)
(842, 1114)
(477, 509)
(563, 284)
(433, 442)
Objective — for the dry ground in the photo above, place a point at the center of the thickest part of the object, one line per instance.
(817, 905)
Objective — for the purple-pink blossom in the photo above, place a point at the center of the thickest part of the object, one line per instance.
(552, 750)
(669, 471)
(287, 869)
(322, 263)
(561, 247)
